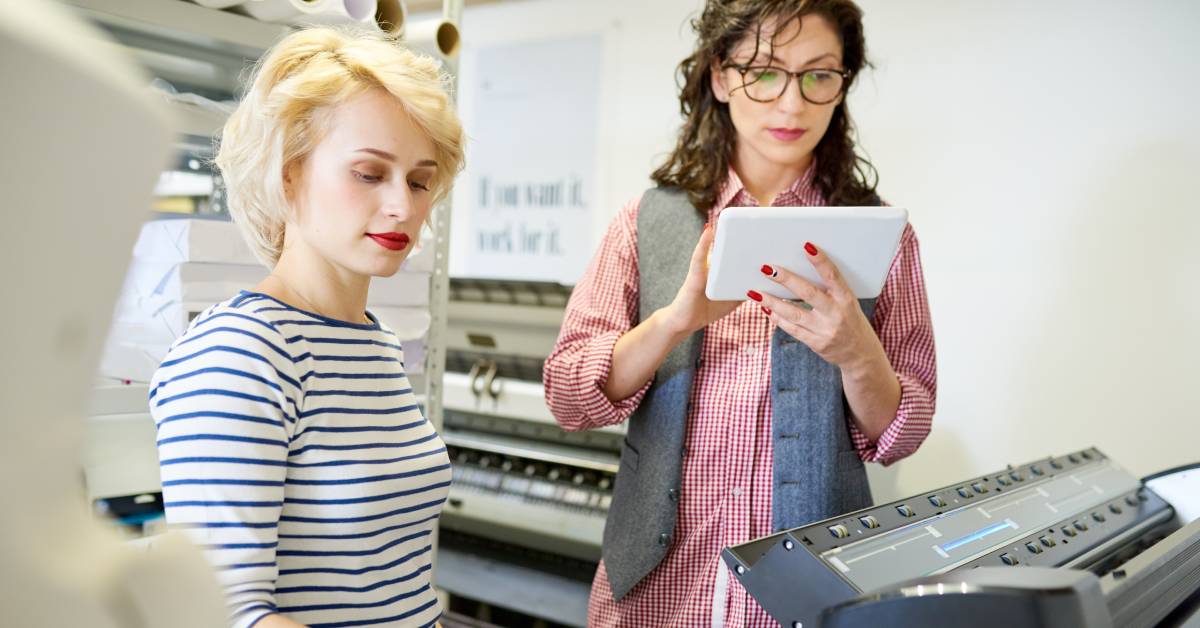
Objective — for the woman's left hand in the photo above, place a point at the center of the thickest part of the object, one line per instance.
(835, 327)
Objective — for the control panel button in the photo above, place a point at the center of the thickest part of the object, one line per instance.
(839, 531)
(1003, 481)
(963, 492)
(1016, 477)
(1098, 517)
(1114, 509)
(1009, 559)
(937, 501)
(1086, 455)
(978, 487)
(1047, 541)
(905, 511)
(1131, 500)
(1069, 531)
(1081, 526)
(1073, 458)
(1036, 470)
(869, 522)
(1033, 547)
(1056, 464)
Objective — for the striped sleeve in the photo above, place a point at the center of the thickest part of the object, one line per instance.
(603, 306)
(905, 329)
(225, 401)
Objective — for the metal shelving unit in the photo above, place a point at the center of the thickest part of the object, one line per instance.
(184, 41)
(439, 289)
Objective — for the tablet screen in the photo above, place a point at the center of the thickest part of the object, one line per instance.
(862, 241)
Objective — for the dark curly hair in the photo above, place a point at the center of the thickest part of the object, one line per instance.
(700, 161)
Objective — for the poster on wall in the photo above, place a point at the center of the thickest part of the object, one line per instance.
(523, 206)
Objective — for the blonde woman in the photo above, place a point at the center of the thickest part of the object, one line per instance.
(290, 442)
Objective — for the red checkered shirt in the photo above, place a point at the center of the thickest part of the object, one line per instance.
(725, 492)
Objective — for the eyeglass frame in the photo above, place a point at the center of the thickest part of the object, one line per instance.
(743, 68)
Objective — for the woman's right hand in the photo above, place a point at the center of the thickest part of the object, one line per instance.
(640, 351)
(692, 310)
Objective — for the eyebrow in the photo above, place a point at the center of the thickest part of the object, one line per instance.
(770, 58)
(424, 163)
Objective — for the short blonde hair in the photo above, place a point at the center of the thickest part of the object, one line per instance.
(279, 121)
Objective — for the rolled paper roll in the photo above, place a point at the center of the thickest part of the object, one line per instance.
(340, 12)
(390, 16)
(435, 36)
(219, 4)
(282, 11)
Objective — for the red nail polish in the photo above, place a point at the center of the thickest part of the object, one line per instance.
(754, 295)
(767, 270)
(766, 310)
(808, 246)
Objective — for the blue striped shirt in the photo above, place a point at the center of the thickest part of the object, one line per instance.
(293, 451)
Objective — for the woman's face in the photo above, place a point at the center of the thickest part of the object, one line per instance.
(784, 132)
(360, 198)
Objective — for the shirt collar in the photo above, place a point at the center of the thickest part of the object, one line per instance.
(800, 192)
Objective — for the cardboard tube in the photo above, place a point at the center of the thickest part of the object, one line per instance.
(390, 16)
(435, 36)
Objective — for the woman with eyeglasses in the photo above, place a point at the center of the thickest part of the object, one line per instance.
(746, 417)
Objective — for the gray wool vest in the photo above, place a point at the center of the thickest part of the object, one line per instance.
(817, 472)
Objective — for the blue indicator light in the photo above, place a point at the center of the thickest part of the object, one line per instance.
(992, 529)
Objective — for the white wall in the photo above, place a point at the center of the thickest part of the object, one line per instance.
(1046, 152)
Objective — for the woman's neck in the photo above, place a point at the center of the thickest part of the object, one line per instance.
(764, 179)
(305, 280)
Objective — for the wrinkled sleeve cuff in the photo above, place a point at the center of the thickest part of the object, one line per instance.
(907, 430)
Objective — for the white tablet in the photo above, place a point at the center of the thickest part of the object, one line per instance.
(862, 241)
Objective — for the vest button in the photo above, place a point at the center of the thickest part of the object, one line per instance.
(673, 495)
(664, 539)
(699, 362)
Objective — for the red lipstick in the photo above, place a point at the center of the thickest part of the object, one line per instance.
(390, 240)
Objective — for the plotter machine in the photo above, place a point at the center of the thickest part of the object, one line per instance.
(525, 517)
(1073, 540)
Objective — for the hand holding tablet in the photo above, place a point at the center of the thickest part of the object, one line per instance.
(860, 241)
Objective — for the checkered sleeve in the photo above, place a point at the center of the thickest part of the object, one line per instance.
(903, 323)
(603, 306)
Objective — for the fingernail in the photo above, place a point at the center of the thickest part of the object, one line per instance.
(754, 295)
(768, 271)
(808, 246)
(766, 310)
(707, 225)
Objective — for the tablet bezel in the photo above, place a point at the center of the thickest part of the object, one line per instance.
(862, 241)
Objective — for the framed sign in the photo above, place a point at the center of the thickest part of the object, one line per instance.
(523, 206)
